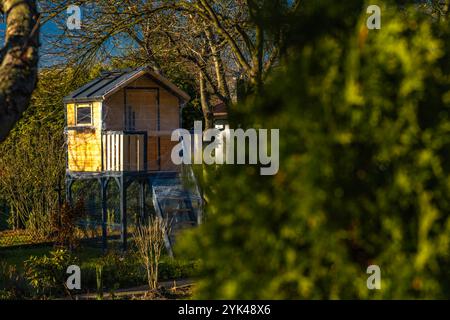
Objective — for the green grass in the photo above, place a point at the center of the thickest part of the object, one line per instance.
(120, 270)
(129, 269)
(17, 256)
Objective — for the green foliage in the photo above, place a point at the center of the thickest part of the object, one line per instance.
(12, 284)
(177, 269)
(119, 271)
(364, 168)
(47, 274)
(32, 158)
(125, 270)
(44, 271)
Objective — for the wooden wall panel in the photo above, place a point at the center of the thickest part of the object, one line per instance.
(70, 114)
(152, 153)
(113, 112)
(84, 147)
(169, 111)
(166, 147)
(144, 104)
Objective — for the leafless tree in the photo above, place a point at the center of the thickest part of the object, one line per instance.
(19, 59)
(215, 41)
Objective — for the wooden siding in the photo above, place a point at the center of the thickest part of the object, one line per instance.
(84, 145)
(70, 109)
(142, 96)
(123, 152)
(166, 153)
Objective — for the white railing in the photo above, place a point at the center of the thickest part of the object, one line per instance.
(124, 151)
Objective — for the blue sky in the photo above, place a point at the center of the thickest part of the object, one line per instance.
(47, 29)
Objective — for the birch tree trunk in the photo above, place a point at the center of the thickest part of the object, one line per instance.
(204, 101)
(19, 61)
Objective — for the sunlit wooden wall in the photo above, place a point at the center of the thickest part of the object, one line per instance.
(85, 146)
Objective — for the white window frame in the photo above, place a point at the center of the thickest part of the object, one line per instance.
(84, 105)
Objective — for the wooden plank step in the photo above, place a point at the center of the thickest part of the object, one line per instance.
(162, 198)
(168, 210)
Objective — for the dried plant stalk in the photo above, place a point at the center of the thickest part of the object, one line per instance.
(149, 240)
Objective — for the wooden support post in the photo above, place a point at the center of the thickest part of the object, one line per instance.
(103, 189)
(145, 151)
(142, 202)
(69, 196)
(123, 212)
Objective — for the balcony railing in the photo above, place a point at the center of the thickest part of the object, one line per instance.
(124, 151)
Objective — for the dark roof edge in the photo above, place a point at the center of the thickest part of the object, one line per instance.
(82, 100)
(131, 76)
(158, 78)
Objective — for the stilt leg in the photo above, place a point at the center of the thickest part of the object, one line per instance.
(142, 202)
(69, 196)
(123, 212)
(103, 187)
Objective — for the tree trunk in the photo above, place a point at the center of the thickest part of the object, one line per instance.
(19, 60)
(204, 100)
(218, 66)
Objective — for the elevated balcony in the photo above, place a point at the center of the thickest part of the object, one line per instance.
(124, 151)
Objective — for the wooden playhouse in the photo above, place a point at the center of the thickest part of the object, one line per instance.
(122, 122)
(119, 128)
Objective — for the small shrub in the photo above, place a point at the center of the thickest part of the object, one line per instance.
(117, 271)
(64, 224)
(12, 283)
(125, 270)
(47, 275)
(177, 269)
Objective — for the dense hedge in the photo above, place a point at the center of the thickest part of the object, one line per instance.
(364, 167)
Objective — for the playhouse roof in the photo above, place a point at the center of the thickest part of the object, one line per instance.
(110, 82)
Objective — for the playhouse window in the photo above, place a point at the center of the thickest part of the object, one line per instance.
(84, 114)
(130, 119)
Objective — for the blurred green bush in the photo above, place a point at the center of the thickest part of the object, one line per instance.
(364, 167)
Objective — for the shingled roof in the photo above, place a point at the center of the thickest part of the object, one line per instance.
(110, 82)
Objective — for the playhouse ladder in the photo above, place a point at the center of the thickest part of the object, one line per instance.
(177, 205)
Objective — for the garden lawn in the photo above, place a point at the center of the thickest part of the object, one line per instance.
(119, 270)
(17, 256)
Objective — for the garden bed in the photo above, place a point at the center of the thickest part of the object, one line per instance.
(119, 270)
